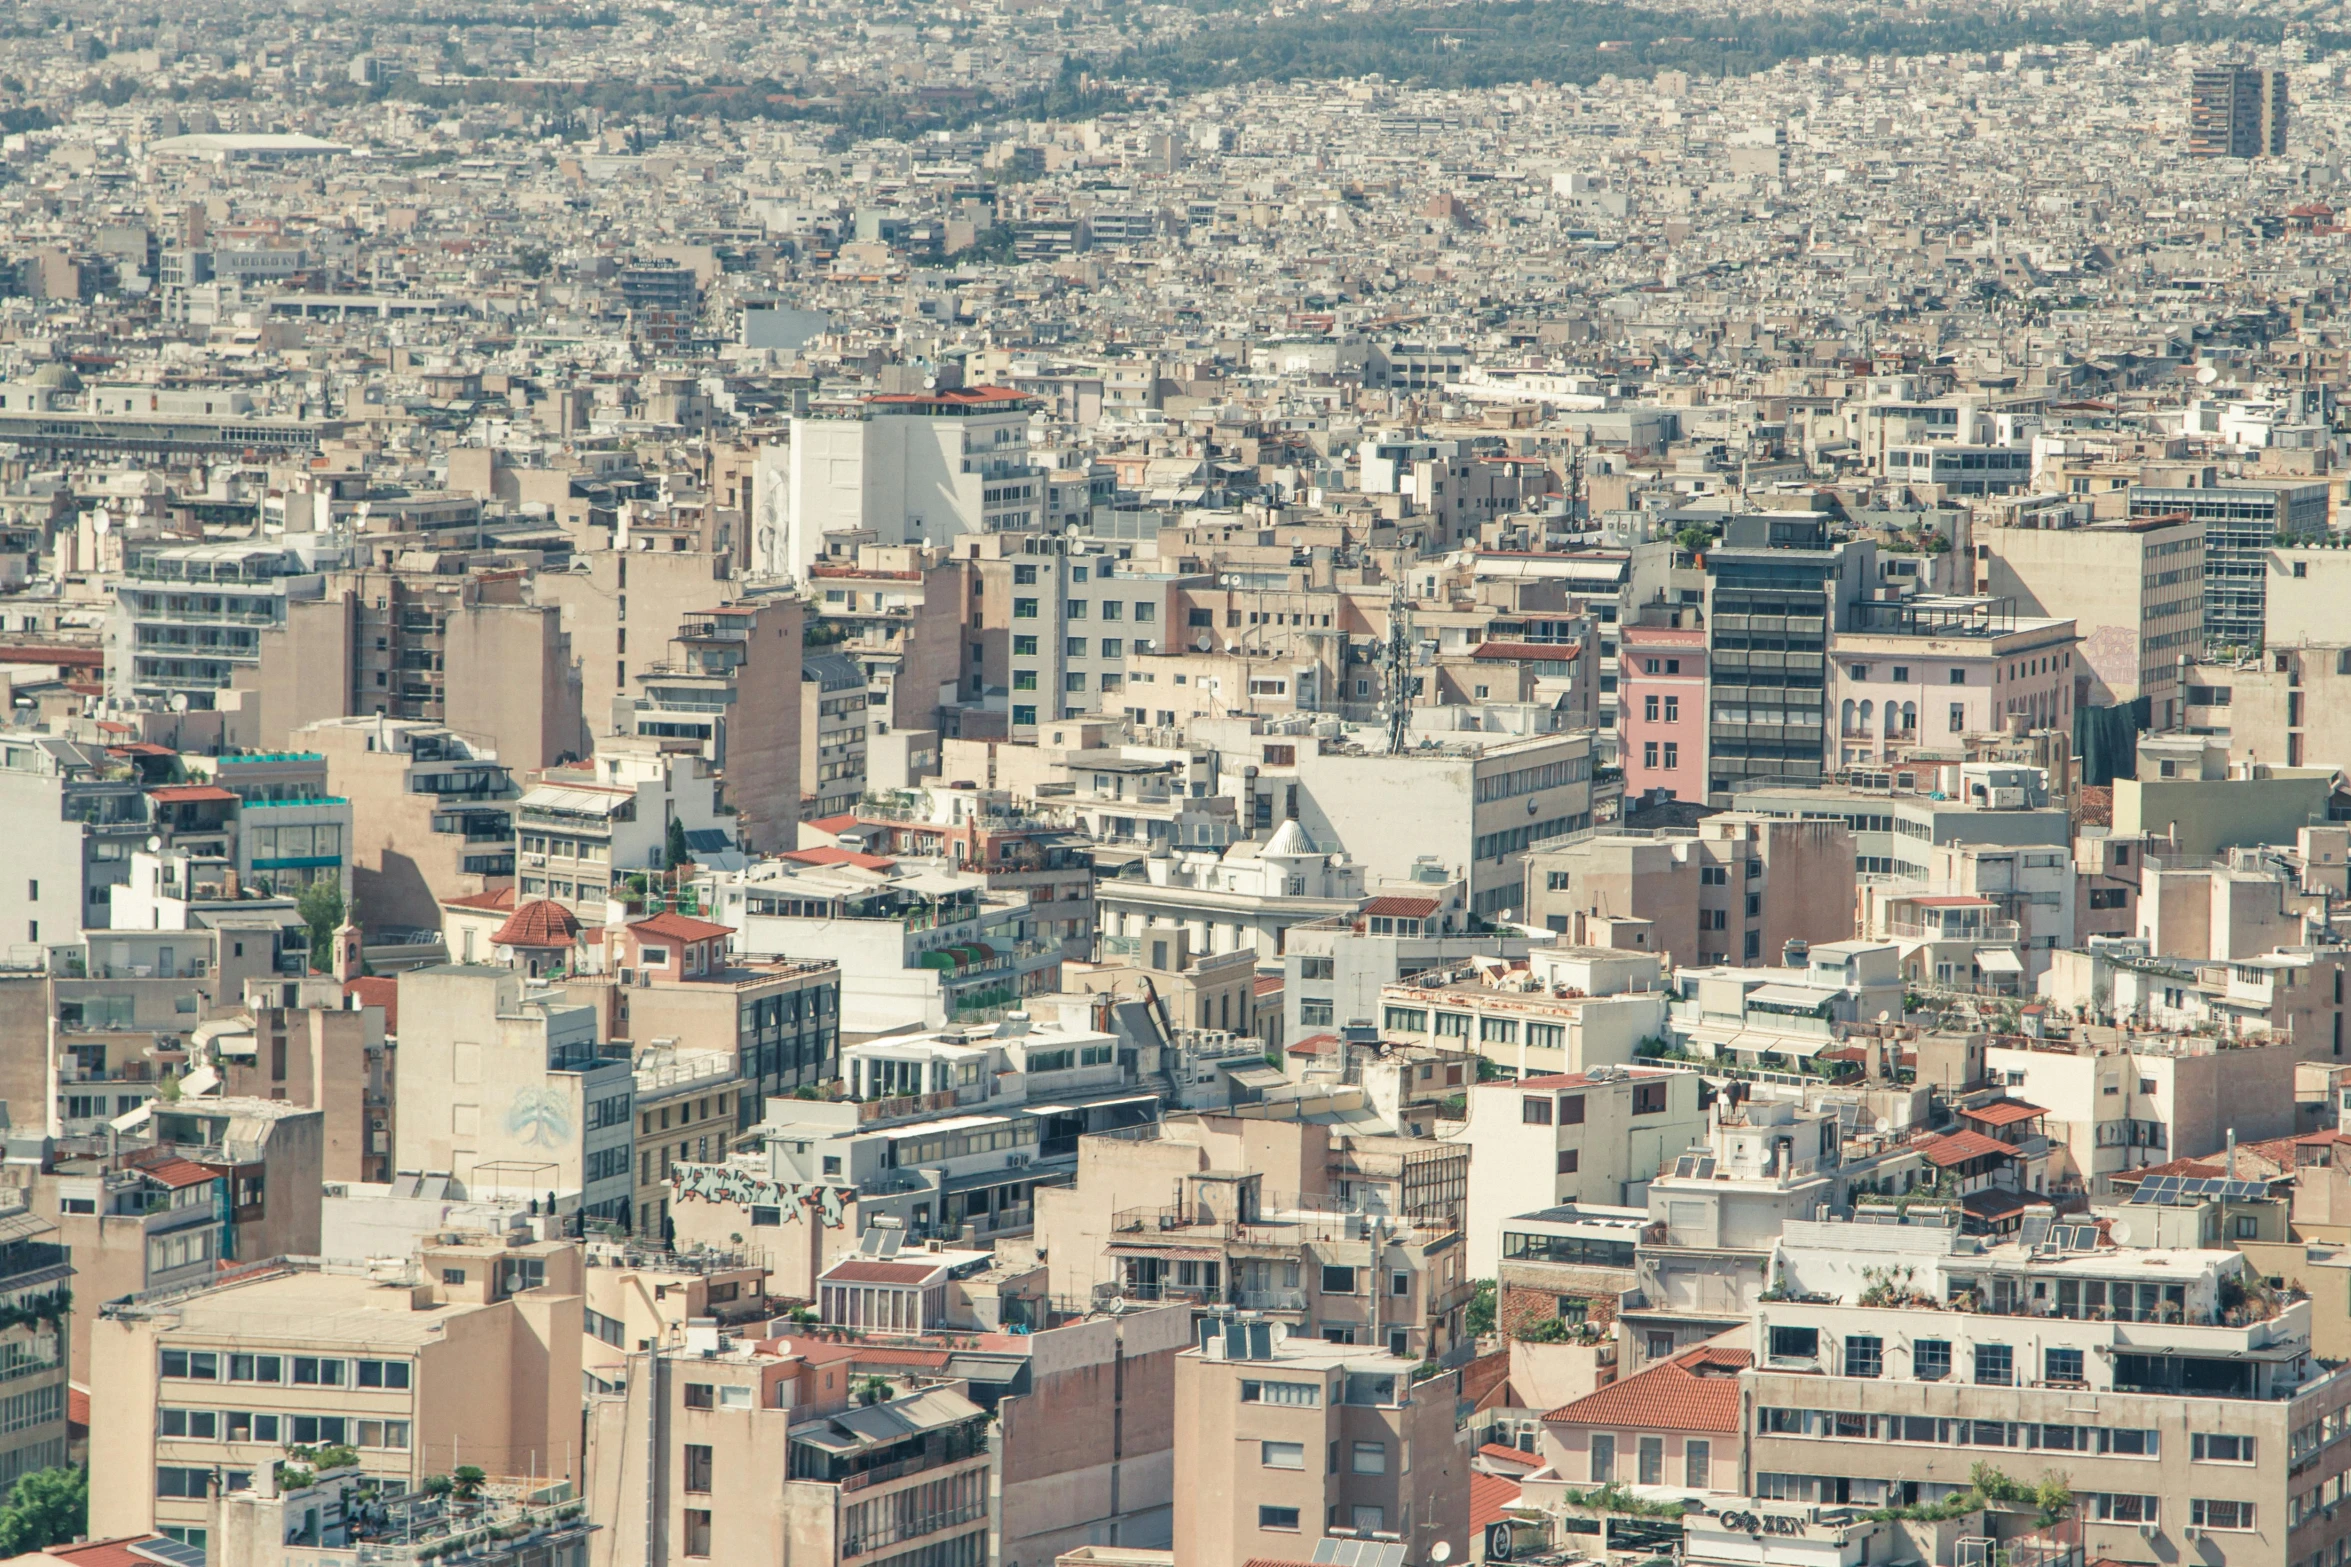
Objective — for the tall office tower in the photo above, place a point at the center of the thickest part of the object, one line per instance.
(2236, 111)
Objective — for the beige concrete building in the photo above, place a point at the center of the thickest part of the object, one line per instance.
(746, 1457)
(34, 1268)
(432, 816)
(1737, 890)
(465, 650)
(2289, 706)
(2134, 589)
(1281, 1441)
(2175, 1393)
(298, 1043)
(469, 1356)
(727, 683)
(620, 609)
(687, 1112)
(503, 1089)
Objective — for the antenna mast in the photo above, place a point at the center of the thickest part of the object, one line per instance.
(1399, 668)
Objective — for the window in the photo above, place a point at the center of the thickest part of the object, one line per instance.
(1650, 1460)
(1369, 1458)
(177, 1482)
(1399, 1283)
(1024, 609)
(1865, 1355)
(1648, 1099)
(1535, 1110)
(697, 1468)
(310, 1430)
(258, 1368)
(1795, 1343)
(1316, 968)
(1293, 1395)
(1603, 1458)
(1995, 1365)
(1673, 756)
(700, 1395)
(382, 1433)
(1338, 1281)
(1698, 1465)
(312, 1371)
(2211, 1448)
(2214, 1514)
(697, 1531)
(1284, 1519)
(1024, 716)
(452, 1275)
(1930, 1359)
(1024, 576)
(383, 1373)
(201, 1424)
(1958, 677)
(1570, 1160)
(200, 1365)
(2062, 1365)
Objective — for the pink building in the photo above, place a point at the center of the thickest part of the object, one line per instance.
(1661, 701)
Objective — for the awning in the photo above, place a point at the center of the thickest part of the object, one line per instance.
(1791, 996)
(1257, 1077)
(1998, 960)
(1800, 1045)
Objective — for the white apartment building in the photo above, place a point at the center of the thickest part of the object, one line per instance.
(907, 468)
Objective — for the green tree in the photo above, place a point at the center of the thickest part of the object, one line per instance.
(47, 1507)
(1479, 1318)
(674, 848)
(321, 908)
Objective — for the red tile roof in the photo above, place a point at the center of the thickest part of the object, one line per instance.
(1313, 1044)
(1488, 1495)
(680, 927)
(1495, 1452)
(107, 1553)
(190, 794)
(1959, 1147)
(833, 854)
(494, 900)
(177, 1173)
(1405, 908)
(857, 1272)
(833, 824)
(378, 990)
(2002, 1112)
(1697, 1390)
(542, 922)
(1266, 985)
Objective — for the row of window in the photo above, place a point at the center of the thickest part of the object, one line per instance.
(1365, 1458)
(2108, 1441)
(204, 1365)
(239, 1425)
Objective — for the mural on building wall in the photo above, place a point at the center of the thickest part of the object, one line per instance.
(540, 1117)
(718, 1183)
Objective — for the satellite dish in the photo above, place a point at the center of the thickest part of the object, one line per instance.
(154, 842)
(1884, 1015)
(2120, 1229)
(1203, 643)
(1441, 1552)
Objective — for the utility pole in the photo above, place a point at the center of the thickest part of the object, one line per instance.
(1399, 669)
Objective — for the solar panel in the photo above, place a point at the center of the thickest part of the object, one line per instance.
(2144, 1195)
(176, 1552)
(2033, 1230)
(2242, 1191)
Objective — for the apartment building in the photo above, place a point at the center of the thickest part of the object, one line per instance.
(905, 468)
(2134, 589)
(1283, 1441)
(1053, 624)
(1563, 1009)
(900, 612)
(432, 816)
(1595, 1137)
(810, 1469)
(1980, 803)
(2175, 1390)
(299, 1043)
(188, 618)
(458, 648)
(1776, 588)
(688, 1107)
(669, 982)
(469, 1355)
(1242, 896)
(1738, 888)
(1918, 673)
(1333, 970)
(2241, 519)
(728, 681)
(582, 830)
(75, 828)
(35, 1268)
(502, 1087)
(1661, 702)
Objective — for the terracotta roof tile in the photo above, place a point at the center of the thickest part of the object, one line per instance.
(1959, 1147)
(542, 922)
(680, 927)
(2002, 1112)
(1488, 1495)
(1404, 908)
(1697, 1390)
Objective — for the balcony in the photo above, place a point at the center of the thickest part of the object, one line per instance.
(1987, 933)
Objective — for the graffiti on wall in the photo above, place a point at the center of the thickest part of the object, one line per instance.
(721, 1183)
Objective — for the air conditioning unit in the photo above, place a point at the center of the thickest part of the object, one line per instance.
(2146, 1531)
(2007, 799)
(2192, 1532)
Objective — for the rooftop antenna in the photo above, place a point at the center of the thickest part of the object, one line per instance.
(1399, 668)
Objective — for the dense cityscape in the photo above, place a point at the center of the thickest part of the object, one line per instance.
(1082, 783)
